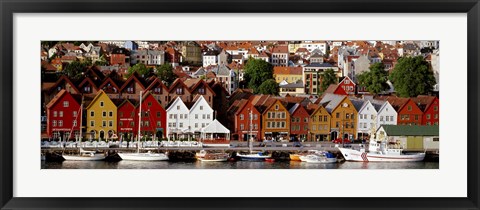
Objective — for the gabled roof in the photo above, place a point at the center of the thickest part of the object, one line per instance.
(128, 101)
(424, 102)
(199, 84)
(332, 101)
(397, 103)
(215, 127)
(411, 130)
(101, 92)
(88, 80)
(64, 78)
(358, 103)
(201, 99)
(155, 82)
(109, 80)
(177, 82)
(178, 100)
(133, 77)
(347, 78)
(280, 49)
(57, 97)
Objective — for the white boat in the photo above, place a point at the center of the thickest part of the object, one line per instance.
(254, 156)
(145, 156)
(200, 154)
(85, 156)
(321, 158)
(303, 157)
(148, 156)
(378, 151)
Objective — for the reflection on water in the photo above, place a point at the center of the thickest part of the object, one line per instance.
(233, 165)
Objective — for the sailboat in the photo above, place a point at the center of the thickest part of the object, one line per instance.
(258, 156)
(83, 155)
(145, 156)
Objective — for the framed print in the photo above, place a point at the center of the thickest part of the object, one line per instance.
(239, 105)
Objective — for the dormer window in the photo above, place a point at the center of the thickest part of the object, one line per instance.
(201, 91)
(157, 90)
(130, 90)
(179, 91)
(276, 107)
(87, 89)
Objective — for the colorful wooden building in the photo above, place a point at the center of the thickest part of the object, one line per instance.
(299, 119)
(127, 120)
(101, 117)
(154, 117)
(408, 111)
(276, 120)
(430, 107)
(63, 116)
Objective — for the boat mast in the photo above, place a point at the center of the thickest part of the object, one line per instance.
(139, 120)
(250, 132)
(80, 125)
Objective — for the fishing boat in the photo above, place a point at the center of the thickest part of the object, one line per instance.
(145, 156)
(378, 151)
(323, 157)
(200, 154)
(215, 157)
(83, 155)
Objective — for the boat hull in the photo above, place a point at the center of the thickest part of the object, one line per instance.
(253, 157)
(354, 155)
(295, 157)
(213, 160)
(143, 156)
(95, 157)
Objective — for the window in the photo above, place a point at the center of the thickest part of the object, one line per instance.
(346, 125)
(346, 116)
(74, 123)
(208, 116)
(436, 139)
(268, 124)
(416, 117)
(381, 118)
(203, 116)
(338, 115)
(255, 116)
(428, 116)
(276, 107)
(110, 114)
(110, 123)
(101, 104)
(181, 125)
(337, 124)
(305, 120)
(428, 123)
(409, 108)
(60, 114)
(278, 125)
(196, 116)
(54, 123)
(92, 123)
(104, 123)
(104, 113)
(178, 107)
(241, 116)
(65, 104)
(241, 127)
(361, 116)
(60, 123)
(196, 125)
(283, 125)
(325, 118)
(203, 125)
(284, 115)
(201, 107)
(436, 116)
(268, 115)
(435, 108)
(181, 116)
(158, 114)
(391, 118)
(120, 123)
(179, 91)
(132, 124)
(149, 104)
(159, 124)
(185, 116)
(54, 113)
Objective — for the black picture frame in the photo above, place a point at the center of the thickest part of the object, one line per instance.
(10, 7)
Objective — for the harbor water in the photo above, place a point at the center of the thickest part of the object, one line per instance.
(235, 165)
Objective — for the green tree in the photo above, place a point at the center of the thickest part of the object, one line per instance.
(269, 87)
(412, 76)
(140, 68)
(74, 69)
(102, 61)
(257, 71)
(375, 80)
(328, 78)
(165, 73)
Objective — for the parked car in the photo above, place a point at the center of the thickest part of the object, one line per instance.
(339, 141)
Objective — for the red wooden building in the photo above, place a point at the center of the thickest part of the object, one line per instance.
(430, 107)
(348, 85)
(127, 120)
(63, 116)
(299, 122)
(154, 117)
(244, 126)
(408, 111)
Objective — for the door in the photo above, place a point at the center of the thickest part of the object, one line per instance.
(415, 142)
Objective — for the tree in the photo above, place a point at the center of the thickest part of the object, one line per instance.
(102, 61)
(328, 78)
(257, 71)
(375, 80)
(165, 73)
(412, 76)
(269, 87)
(74, 69)
(140, 68)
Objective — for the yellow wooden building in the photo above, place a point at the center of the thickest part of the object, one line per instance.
(101, 120)
(276, 120)
(319, 125)
(343, 119)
